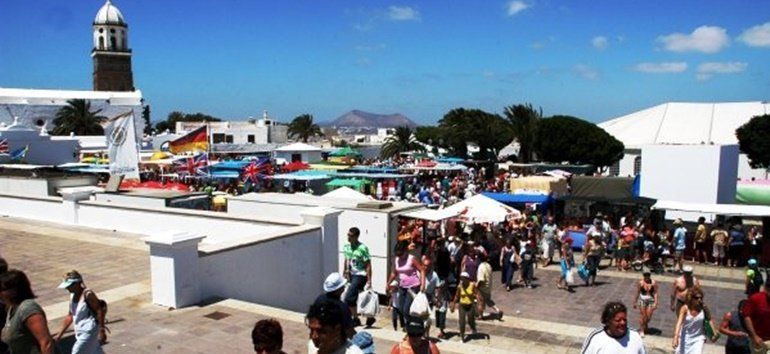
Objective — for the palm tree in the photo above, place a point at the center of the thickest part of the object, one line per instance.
(76, 117)
(402, 140)
(303, 127)
(523, 120)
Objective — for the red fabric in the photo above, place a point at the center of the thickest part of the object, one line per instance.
(758, 309)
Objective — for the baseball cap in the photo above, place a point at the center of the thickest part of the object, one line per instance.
(752, 262)
(465, 275)
(334, 282)
(687, 269)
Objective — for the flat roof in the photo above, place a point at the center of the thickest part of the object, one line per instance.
(35, 96)
(312, 200)
(719, 209)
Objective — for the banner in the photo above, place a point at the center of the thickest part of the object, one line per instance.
(122, 146)
(196, 141)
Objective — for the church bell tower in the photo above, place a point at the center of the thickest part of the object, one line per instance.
(111, 55)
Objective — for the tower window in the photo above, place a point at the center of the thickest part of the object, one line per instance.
(101, 30)
(112, 43)
(112, 30)
(101, 42)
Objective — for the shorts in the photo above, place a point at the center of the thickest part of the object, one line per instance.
(646, 302)
(486, 297)
(357, 283)
(719, 251)
(701, 246)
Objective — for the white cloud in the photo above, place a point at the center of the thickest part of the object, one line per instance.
(403, 13)
(585, 72)
(661, 68)
(517, 6)
(599, 42)
(707, 70)
(706, 39)
(757, 36)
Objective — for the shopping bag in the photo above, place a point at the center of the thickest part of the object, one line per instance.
(583, 272)
(420, 306)
(569, 277)
(368, 303)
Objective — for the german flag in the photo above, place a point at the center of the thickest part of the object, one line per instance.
(196, 140)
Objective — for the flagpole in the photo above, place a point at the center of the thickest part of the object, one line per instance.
(209, 146)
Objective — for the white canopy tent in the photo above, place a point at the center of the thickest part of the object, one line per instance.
(347, 193)
(719, 209)
(474, 210)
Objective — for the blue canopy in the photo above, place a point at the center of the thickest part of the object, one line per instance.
(507, 198)
(225, 174)
(229, 165)
(449, 159)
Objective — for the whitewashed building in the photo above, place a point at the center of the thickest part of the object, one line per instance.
(261, 131)
(299, 152)
(681, 123)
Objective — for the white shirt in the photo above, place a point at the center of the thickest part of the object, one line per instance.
(599, 342)
(348, 348)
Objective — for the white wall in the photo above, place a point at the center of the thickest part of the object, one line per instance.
(690, 173)
(217, 227)
(251, 208)
(50, 209)
(284, 272)
(129, 200)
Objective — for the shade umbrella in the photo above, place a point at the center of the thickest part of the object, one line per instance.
(481, 209)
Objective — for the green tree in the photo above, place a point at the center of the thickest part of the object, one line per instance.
(303, 128)
(753, 141)
(176, 116)
(523, 121)
(460, 126)
(430, 134)
(76, 117)
(402, 140)
(565, 138)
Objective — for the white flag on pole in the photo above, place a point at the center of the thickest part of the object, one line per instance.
(122, 145)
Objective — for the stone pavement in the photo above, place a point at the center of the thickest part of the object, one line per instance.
(116, 265)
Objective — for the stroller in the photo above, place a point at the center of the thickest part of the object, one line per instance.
(652, 259)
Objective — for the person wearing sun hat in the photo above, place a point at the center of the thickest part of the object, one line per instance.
(466, 295)
(87, 314)
(334, 286)
(681, 288)
(415, 340)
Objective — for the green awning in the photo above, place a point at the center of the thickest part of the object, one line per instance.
(345, 151)
(352, 183)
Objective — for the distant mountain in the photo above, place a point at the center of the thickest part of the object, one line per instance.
(361, 119)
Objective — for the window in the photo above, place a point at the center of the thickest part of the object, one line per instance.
(112, 42)
(229, 139)
(615, 168)
(637, 165)
(101, 42)
(217, 138)
(39, 122)
(250, 138)
(112, 30)
(296, 157)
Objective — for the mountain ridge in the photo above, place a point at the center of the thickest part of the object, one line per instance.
(361, 119)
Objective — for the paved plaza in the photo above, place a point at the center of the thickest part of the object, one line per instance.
(116, 265)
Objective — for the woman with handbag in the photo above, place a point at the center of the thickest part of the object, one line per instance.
(411, 279)
(694, 325)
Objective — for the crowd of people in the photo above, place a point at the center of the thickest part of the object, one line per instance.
(448, 265)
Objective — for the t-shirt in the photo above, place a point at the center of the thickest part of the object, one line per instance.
(348, 348)
(700, 233)
(484, 276)
(720, 237)
(758, 309)
(549, 231)
(466, 294)
(357, 258)
(679, 238)
(432, 282)
(18, 337)
(599, 342)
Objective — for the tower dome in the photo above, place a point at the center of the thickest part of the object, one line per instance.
(109, 15)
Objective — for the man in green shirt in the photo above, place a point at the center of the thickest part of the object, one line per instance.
(358, 271)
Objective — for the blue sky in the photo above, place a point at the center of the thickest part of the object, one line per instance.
(595, 59)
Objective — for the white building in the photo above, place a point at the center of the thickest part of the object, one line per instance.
(299, 152)
(42, 149)
(38, 108)
(262, 131)
(679, 123)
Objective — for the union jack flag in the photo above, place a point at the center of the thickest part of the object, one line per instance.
(4, 146)
(256, 169)
(196, 165)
